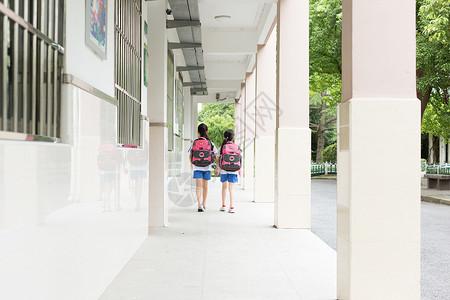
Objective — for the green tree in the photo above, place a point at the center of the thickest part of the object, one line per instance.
(325, 66)
(218, 117)
(433, 65)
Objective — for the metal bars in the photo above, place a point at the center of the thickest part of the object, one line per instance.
(127, 45)
(30, 66)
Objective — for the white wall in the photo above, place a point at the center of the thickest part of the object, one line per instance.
(54, 228)
(58, 237)
(81, 61)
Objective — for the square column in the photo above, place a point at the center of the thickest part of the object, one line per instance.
(242, 117)
(293, 136)
(430, 149)
(187, 129)
(378, 190)
(448, 151)
(240, 134)
(157, 106)
(266, 97)
(249, 142)
(237, 128)
(237, 123)
(442, 151)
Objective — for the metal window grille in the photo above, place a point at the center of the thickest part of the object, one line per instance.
(31, 49)
(128, 18)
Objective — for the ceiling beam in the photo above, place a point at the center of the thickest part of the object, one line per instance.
(190, 68)
(224, 84)
(242, 1)
(199, 90)
(173, 46)
(194, 83)
(182, 23)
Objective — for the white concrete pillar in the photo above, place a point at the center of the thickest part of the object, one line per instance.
(157, 106)
(187, 128)
(242, 116)
(237, 122)
(442, 151)
(293, 136)
(194, 121)
(241, 133)
(378, 244)
(448, 151)
(249, 143)
(266, 93)
(430, 148)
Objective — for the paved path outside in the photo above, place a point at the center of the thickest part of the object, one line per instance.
(217, 255)
(435, 248)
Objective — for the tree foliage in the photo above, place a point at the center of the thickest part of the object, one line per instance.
(433, 65)
(218, 117)
(325, 66)
(330, 153)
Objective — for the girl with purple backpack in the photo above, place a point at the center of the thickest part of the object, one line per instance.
(229, 164)
(202, 154)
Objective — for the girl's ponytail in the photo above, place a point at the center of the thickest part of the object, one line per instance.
(228, 136)
(203, 131)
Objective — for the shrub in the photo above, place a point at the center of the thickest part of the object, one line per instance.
(329, 154)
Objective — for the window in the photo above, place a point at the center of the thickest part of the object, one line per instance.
(128, 69)
(31, 35)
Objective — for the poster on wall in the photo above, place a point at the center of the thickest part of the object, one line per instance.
(95, 31)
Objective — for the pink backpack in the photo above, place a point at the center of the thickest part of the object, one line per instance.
(230, 158)
(202, 154)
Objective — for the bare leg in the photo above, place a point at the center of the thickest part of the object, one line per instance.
(198, 189)
(205, 190)
(224, 192)
(231, 189)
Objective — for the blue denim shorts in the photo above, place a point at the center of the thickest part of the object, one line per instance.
(229, 177)
(206, 175)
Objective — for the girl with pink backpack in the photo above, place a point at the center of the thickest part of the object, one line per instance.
(230, 162)
(202, 154)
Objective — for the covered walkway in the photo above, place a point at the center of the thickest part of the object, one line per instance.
(117, 122)
(217, 255)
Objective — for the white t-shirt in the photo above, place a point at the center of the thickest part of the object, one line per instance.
(207, 168)
(228, 172)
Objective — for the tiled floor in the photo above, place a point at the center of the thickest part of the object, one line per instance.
(74, 254)
(217, 255)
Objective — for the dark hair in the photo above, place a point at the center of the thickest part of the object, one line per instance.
(228, 136)
(202, 131)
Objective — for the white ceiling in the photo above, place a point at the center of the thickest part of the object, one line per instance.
(243, 15)
(229, 47)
